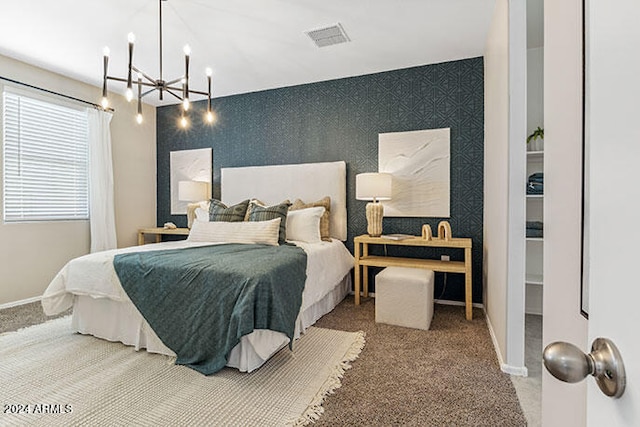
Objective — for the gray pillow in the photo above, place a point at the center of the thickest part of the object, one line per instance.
(218, 211)
(265, 213)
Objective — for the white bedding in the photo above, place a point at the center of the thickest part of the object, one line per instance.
(102, 308)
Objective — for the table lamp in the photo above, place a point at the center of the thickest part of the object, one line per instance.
(192, 191)
(374, 187)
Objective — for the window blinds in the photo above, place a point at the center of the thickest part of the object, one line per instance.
(46, 154)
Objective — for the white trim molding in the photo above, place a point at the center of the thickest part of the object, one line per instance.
(21, 302)
(508, 369)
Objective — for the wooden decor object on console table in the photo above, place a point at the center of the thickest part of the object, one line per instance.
(426, 232)
(444, 230)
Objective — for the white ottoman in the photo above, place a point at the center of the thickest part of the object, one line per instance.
(404, 297)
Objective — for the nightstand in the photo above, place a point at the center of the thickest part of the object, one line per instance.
(159, 232)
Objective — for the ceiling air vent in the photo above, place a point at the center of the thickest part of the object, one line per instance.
(328, 35)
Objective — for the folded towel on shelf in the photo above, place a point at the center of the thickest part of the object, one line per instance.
(535, 188)
(536, 225)
(534, 232)
(534, 228)
(536, 177)
(535, 183)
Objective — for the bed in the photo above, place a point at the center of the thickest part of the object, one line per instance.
(103, 309)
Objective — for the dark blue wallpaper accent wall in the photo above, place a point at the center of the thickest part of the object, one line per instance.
(341, 120)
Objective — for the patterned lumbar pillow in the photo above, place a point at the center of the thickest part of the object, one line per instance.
(325, 202)
(218, 211)
(266, 213)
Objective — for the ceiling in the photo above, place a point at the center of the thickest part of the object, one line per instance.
(251, 45)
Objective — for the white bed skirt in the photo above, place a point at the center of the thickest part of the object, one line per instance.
(121, 321)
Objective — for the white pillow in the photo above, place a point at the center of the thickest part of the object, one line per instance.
(261, 232)
(202, 214)
(304, 225)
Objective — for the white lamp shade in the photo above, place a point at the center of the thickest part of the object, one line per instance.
(373, 186)
(192, 191)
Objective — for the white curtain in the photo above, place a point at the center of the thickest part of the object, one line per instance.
(101, 206)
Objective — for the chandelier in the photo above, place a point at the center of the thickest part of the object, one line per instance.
(178, 88)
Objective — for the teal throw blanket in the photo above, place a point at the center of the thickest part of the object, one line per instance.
(200, 301)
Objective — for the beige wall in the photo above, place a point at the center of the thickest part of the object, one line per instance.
(32, 253)
(496, 141)
(562, 404)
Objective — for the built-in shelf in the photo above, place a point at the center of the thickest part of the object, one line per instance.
(535, 155)
(533, 279)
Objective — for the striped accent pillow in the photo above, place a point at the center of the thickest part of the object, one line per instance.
(266, 213)
(263, 232)
(218, 211)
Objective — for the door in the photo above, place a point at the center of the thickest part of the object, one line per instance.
(613, 147)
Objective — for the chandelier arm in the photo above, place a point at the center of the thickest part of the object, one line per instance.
(117, 79)
(120, 79)
(198, 92)
(179, 79)
(191, 91)
(169, 91)
(147, 92)
(145, 75)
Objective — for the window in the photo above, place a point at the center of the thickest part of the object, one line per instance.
(46, 159)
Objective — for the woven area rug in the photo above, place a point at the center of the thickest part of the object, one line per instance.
(51, 376)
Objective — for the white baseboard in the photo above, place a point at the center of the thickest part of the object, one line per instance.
(508, 369)
(21, 302)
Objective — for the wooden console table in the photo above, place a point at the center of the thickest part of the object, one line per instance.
(364, 260)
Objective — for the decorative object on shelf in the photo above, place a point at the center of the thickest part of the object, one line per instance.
(192, 191)
(420, 164)
(169, 226)
(535, 135)
(426, 232)
(444, 231)
(374, 187)
(178, 87)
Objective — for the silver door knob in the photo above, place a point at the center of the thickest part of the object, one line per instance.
(568, 363)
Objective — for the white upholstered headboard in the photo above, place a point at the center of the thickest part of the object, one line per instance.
(306, 181)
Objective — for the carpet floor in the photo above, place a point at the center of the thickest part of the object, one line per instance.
(446, 376)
